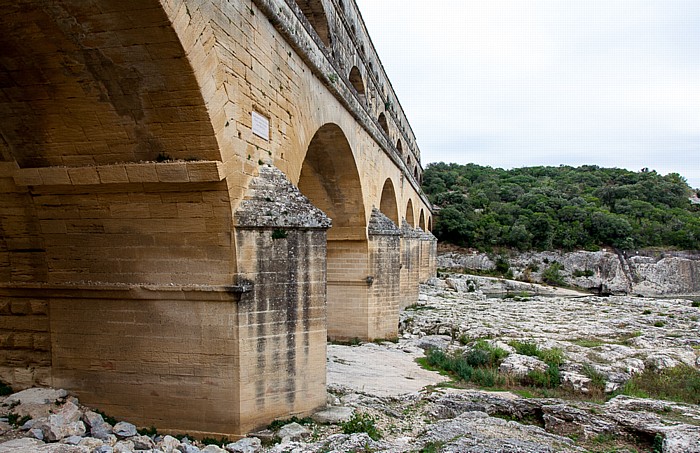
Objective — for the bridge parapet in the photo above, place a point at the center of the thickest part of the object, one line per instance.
(333, 62)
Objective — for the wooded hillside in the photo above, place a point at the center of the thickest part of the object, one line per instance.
(561, 207)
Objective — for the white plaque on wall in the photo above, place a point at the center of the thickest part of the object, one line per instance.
(261, 126)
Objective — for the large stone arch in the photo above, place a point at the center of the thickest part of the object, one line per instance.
(110, 173)
(329, 178)
(421, 220)
(387, 204)
(79, 101)
(316, 15)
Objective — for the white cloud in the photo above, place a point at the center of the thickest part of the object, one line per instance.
(610, 83)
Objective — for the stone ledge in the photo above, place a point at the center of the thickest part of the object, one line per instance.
(101, 290)
(144, 172)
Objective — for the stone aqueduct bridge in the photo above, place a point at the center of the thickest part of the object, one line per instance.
(157, 256)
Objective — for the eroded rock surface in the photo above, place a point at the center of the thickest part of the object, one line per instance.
(614, 337)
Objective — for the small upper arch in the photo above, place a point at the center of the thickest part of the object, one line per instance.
(316, 15)
(383, 123)
(387, 204)
(356, 81)
(410, 219)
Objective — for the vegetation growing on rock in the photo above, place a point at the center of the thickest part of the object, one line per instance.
(561, 207)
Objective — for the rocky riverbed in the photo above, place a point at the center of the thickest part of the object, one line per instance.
(604, 342)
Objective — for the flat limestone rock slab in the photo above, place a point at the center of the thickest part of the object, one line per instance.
(378, 370)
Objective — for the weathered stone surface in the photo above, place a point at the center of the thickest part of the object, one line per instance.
(142, 442)
(20, 445)
(39, 396)
(64, 423)
(273, 201)
(212, 449)
(521, 365)
(124, 430)
(477, 432)
(334, 415)
(293, 431)
(380, 224)
(246, 445)
(647, 274)
(685, 440)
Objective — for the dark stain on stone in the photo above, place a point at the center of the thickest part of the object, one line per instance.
(292, 299)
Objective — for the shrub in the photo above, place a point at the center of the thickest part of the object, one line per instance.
(5, 389)
(362, 423)
(277, 424)
(554, 356)
(583, 273)
(487, 377)
(525, 348)
(696, 303)
(546, 379)
(502, 265)
(597, 378)
(552, 275)
(490, 355)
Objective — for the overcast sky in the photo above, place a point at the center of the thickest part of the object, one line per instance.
(512, 83)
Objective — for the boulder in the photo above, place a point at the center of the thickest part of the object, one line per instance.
(521, 365)
(36, 396)
(333, 415)
(247, 445)
(293, 431)
(124, 446)
(143, 443)
(124, 429)
(20, 445)
(65, 423)
(213, 449)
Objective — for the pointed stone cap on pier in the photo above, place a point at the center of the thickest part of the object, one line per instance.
(272, 201)
(408, 232)
(381, 225)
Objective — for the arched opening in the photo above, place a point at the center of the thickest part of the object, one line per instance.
(409, 214)
(316, 15)
(430, 223)
(399, 147)
(415, 172)
(408, 161)
(330, 179)
(383, 123)
(357, 83)
(421, 220)
(99, 111)
(388, 205)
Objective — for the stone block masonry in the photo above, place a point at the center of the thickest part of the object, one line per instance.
(160, 258)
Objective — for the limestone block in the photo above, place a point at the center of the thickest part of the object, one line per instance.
(204, 171)
(172, 172)
(83, 175)
(55, 176)
(112, 174)
(145, 172)
(28, 177)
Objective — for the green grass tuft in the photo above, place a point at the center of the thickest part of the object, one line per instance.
(680, 384)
